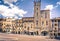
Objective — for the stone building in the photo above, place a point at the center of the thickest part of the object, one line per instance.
(55, 30)
(28, 25)
(18, 26)
(39, 24)
(1, 24)
(8, 25)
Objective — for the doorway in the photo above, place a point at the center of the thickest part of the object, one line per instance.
(44, 33)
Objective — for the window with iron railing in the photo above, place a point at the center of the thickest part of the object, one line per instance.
(55, 24)
(37, 23)
(46, 22)
(45, 15)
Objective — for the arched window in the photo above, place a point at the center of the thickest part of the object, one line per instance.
(36, 22)
(45, 15)
(46, 22)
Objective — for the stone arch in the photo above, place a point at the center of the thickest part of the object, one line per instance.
(18, 32)
(44, 33)
(25, 32)
(37, 32)
(58, 34)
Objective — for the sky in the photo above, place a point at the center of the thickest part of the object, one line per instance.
(25, 8)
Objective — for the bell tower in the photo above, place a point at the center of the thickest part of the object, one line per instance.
(37, 17)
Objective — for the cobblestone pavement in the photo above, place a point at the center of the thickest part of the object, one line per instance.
(18, 37)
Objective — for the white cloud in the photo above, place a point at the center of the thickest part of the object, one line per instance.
(9, 1)
(58, 3)
(11, 12)
(49, 7)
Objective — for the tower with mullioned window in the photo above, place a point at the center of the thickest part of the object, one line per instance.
(41, 18)
(37, 16)
(37, 13)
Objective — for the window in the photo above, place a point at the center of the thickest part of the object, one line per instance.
(25, 26)
(45, 15)
(46, 22)
(37, 8)
(42, 15)
(55, 24)
(28, 28)
(37, 13)
(52, 23)
(58, 23)
(36, 22)
(55, 20)
(42, 22)
(55, 28)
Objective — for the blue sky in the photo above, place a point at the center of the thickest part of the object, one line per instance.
(24, 8)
